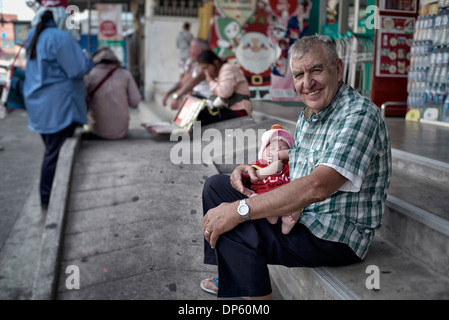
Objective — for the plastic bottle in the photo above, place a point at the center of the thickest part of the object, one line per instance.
(422, 29)
(440, 98)
(432, 65)
(430, 28)
(444, 66)
(445, 114)
(444, 27)
(417, 27)
(438, 65)
(438, 29)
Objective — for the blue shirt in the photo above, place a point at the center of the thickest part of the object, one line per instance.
(54, 90)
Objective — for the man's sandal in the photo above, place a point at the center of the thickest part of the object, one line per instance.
(210, 285)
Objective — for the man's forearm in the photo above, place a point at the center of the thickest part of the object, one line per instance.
(297, 194)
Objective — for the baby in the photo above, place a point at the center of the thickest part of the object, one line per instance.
(272, 169)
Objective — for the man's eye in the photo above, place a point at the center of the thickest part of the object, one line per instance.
(316, 71)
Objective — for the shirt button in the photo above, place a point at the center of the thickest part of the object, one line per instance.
(299, 162)
(308, 138)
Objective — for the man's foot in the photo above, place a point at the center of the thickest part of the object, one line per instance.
(210, 285)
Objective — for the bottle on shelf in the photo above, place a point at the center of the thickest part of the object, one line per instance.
(444, 36)
(438, 64)
(438, 28)
(444, 66)
(440, 97)
(445, 114)
(432, 64)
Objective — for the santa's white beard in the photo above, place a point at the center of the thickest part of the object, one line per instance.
(253, 62)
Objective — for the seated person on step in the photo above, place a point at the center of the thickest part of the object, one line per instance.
(340, 167)
(192, 81)
(228, 85)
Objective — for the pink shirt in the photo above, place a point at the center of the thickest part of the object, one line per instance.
(231, 79)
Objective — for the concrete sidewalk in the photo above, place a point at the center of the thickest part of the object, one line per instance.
(132, 227)
(133, 223)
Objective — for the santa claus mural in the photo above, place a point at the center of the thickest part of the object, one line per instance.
(256, 35)
(256, 54)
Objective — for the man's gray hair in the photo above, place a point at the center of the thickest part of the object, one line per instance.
(202, 44)
(303, 45)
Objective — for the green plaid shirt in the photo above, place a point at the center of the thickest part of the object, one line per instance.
(350, 136)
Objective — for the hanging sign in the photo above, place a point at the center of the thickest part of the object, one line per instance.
(110, 33)
(239, 10)
(395, 37)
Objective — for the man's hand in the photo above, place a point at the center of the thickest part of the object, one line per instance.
(219, 220)
(165, 98)
(174, 105)
(240, 176)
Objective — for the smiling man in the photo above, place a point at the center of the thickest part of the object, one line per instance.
(340, 167)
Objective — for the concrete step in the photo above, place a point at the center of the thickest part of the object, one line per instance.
(400, 277)
(416, 165)
(416, 216)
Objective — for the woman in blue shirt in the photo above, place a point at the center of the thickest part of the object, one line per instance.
(54, 91)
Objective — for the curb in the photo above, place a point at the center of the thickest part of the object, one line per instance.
(47, 273)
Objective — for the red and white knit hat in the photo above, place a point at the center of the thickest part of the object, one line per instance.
(276, 132)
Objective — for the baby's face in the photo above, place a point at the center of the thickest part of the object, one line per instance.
(273, 148)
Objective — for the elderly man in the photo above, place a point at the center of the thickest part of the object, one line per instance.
(192, 80)
(340, 168)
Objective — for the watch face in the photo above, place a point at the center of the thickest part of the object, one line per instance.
(243, 209)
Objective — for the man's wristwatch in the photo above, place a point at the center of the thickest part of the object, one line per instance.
(243, 210)
(175, 96)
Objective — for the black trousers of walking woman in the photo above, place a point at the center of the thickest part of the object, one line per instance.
(243, 253)
(53, 143)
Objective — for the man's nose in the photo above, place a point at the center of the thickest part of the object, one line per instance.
(308, 81)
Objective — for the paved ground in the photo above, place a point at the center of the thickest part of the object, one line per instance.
(21, 219)
(134, 223)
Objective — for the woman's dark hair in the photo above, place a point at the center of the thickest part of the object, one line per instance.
(208, 57)
(45, 18)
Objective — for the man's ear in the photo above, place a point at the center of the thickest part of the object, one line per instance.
(339, 63)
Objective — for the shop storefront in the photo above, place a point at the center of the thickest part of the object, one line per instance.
(428, 76)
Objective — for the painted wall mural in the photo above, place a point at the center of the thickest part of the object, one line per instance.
(256, 35)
